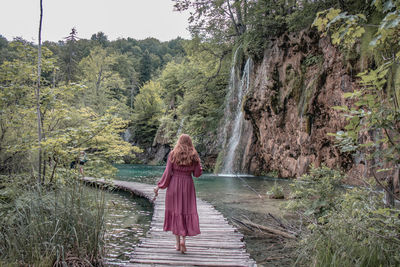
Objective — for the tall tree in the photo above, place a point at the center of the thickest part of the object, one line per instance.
(145, 67)
(39, 72)
(70, 56)
(100, 38)
(216, 19)
(104, 87)
(148, 109)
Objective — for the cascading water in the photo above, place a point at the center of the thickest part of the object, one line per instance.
(126, 135)
(237, 89)
(178, 133)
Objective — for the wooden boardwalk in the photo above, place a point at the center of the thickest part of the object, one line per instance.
(219, 243)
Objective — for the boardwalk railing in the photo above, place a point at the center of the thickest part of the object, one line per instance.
(219, 243)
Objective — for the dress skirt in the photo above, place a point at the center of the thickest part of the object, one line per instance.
(181, 217)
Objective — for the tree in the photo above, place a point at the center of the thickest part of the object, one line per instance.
(3, 48)
(148, 109)
(17, 103)
(100, 39)
(145, 67)
(194, 91)
(216, 19)
(37, 92)
(70, 57)
(104, 87)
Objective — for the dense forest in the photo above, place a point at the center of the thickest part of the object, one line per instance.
(125, 100)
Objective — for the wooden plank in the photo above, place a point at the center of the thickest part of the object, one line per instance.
(191, 263)
(199, 251)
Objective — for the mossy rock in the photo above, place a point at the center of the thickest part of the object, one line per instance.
(218, 163)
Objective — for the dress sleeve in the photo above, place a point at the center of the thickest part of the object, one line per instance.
(198, 170)
(166, 177)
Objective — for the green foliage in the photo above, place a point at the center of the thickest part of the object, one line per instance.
(85, 88)
(312, 60)
(69, 126)
(100, 39)
(147, 113)
(303, 17)
(346, 33)
(102, 84)
(254, 23)
(194, 91)
(360, 231)
(343, 227)
(376, 105)
(276, 192)
(316, 193)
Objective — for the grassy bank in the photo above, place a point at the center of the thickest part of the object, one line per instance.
(47, 226)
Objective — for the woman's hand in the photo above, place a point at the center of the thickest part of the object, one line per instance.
(156, 190)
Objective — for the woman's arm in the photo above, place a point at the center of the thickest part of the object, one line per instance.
(198, 170)
(166, 177)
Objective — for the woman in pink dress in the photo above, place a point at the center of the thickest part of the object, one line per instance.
(180, 201)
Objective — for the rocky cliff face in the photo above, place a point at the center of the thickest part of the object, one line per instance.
(290, 105)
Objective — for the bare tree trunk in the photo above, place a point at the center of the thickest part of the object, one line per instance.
(392, 187)
(133, 84)
(98, 82)
(38, 94)
(54, 78)
(389, 194)
(241, 26)
(235, 24)
(54, 170)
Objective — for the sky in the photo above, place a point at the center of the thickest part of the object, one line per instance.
(137, 19)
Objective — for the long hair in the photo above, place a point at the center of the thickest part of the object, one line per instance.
(184, 153)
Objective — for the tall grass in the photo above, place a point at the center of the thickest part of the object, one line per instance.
(52, 226)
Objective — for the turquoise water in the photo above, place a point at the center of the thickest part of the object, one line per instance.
(229, 194)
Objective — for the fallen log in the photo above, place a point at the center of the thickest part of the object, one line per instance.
(269, 229)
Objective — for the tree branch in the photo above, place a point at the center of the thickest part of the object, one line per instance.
(384, 187)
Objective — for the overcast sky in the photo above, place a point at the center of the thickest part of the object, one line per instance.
(138, 19)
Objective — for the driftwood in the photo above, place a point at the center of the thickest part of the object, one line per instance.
(269, 229)
(240, 224)
(285, 226)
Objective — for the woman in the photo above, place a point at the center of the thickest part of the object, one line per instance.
(180, 201)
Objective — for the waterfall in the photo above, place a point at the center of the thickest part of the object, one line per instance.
(178, 133)
(126, 135)
(237, 89)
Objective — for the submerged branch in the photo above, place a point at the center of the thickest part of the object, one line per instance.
(275, 232)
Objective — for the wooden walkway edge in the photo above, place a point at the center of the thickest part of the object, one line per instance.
(219, 243)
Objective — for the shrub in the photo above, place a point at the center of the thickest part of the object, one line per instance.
(276, 192)
(360, 232)
(316, 193)
(344, 227)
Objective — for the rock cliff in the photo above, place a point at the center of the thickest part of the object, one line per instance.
(289, 105)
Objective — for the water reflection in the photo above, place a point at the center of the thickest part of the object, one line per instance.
(128, 219)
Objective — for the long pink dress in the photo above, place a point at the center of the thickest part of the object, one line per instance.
(180, 201)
